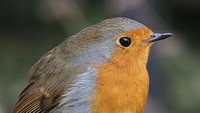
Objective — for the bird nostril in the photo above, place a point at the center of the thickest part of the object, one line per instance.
(153, 35)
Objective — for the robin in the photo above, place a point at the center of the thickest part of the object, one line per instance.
(101, 69)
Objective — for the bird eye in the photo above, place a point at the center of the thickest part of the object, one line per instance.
(125, 41)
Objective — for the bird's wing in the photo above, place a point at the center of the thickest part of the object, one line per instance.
(37, 99)
(45, 90)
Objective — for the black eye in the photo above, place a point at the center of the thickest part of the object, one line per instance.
(125, 41)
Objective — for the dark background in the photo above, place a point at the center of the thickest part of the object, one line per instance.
(28, 29)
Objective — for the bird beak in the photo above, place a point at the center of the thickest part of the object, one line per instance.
(158, 36)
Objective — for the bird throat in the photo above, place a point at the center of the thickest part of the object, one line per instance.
(121, 89)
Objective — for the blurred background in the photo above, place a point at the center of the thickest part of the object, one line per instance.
(28, 29)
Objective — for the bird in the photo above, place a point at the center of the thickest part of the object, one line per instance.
(101, 69)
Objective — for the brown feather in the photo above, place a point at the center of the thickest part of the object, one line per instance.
(49, 78)
(41, 96)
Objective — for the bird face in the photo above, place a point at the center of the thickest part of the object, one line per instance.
(98, 43)
(128, 38)
(131, 46)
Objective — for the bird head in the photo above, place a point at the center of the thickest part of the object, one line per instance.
(120, 40)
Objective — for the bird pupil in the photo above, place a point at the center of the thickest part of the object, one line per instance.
(125, 41)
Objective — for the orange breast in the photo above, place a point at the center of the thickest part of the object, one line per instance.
(120, 89)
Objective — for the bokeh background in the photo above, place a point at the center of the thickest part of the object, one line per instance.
(28, 29)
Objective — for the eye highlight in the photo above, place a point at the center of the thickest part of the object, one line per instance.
(125, 41)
